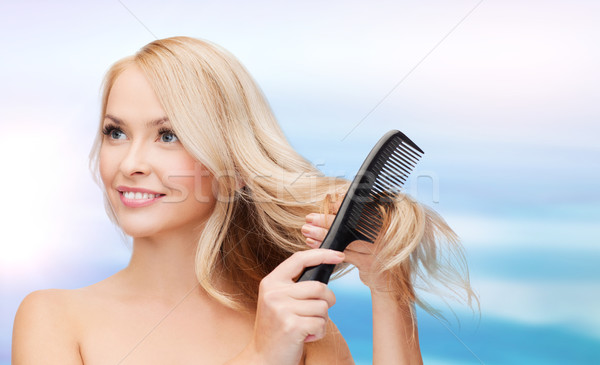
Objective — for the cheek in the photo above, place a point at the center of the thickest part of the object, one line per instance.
(186, 178)
(105, 166)
(204, 189)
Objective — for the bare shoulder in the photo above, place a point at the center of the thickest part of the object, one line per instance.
(332, 349)
(44, 329)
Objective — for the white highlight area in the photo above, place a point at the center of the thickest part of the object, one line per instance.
(33, 186)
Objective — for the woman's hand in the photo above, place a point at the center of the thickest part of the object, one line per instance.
(395, 336)
(290, 313)
(358, 253)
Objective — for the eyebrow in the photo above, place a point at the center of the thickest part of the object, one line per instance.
(152, 123)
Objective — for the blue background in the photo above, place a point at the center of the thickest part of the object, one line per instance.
(505, 106)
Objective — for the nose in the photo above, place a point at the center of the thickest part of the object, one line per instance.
(135, 161)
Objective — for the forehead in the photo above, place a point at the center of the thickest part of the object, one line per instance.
(132, 98)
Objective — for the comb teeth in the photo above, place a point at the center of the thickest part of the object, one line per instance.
(378, 181)
(388, 173)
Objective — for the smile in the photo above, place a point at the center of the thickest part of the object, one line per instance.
(137, 197)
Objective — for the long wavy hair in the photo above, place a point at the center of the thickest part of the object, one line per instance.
(265, 188)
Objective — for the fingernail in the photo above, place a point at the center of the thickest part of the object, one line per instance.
(310, 242)
(305, 229)
(340, 254)
(311, 217)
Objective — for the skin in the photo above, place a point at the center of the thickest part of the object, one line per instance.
(395, 337)
(154, 311)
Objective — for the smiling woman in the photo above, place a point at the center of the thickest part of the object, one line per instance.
(142, 163)
(223, 216)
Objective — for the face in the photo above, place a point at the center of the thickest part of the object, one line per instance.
(153, 184)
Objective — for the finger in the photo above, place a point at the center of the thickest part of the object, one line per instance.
(310, 338)
(295, 264)
(315, 232)
(307, 290)
(321, 220)
(310, 308)
(312, 243)
(315, 328)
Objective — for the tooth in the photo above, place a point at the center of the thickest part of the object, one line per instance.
(150, 196)
(138, 195)
(145, 196)
(127, 195)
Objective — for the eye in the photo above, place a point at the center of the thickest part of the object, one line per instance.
(167, 136)
(113, 132)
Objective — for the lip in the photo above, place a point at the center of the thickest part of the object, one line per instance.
(122, 188)
(138, 203)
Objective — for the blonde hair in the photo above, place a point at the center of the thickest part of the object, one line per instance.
(265, 188)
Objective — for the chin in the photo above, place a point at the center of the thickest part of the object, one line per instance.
(137, 228)
(138, 232)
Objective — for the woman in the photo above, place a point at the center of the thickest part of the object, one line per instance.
(197, 171)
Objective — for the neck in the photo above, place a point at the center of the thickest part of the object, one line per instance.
(163, 266)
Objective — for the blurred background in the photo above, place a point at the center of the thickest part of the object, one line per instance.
(503, 96)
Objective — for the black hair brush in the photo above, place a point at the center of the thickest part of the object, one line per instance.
(377, 182)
